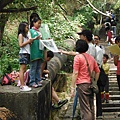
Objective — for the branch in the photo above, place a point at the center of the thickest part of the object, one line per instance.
(96, 9)
(4, 3)
(62, 9)
(18, 10)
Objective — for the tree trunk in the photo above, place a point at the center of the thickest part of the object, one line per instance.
(3, 20)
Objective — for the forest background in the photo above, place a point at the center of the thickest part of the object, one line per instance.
(64, 18)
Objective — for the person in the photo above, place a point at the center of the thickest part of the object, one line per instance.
(44, 72)
(81, 78)
(88, 37)
(109, 34)
(117, 61)
(37, 55)
(105, 89)
(24, 53)
(99, 51)
(97, 42)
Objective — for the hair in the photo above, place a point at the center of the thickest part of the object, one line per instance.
(117, 39)
(81, 46)
(106, 56)
(50, 54)
(34, 20)
(33, 15)
(21, 28)
(98, 36)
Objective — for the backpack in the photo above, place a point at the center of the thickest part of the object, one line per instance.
(102, 78)
(7, 79)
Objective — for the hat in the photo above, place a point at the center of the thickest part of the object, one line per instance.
(85, 33)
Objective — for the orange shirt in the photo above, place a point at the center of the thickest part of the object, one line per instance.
(80, 66)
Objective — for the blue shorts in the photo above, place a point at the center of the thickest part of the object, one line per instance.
(24, 58)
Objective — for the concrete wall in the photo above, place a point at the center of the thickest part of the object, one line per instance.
(33, 105)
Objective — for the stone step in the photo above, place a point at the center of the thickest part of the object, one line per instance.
(114, 92)
(113, 85)
(111, 109)
(114, 97)
(113, 81)
(114, 89)
(110, 118)
(111, 104)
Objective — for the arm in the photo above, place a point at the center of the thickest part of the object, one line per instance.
(116, 60)
(97, 76)
(69, 53)
(74, 77)
(22, 44)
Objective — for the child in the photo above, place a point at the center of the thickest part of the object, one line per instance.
(24, 53)
(44, 71)
(37, 55)
(106, 68)
(117, 61)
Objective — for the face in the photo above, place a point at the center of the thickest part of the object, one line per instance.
(82, 37)
(26, 28)
(49, 58)
(104, 59)
(96, 39)
(37, 24)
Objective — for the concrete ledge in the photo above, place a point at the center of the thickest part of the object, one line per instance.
(33, 105)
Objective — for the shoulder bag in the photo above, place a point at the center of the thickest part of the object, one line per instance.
(93, 84)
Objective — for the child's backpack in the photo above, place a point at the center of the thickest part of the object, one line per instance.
(7, 79)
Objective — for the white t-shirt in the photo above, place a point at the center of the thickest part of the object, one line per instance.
(25, 49)
(92, 50)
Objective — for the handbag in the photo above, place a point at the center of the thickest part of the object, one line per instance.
(93, 85)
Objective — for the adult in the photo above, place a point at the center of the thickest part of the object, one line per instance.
(99, 59)
(81, 78)
(88, 37)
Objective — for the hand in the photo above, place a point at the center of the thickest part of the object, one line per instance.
(72, 93)
(37, 37)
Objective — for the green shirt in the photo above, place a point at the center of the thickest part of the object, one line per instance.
(35, 52)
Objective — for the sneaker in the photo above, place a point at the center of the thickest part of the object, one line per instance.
(107, 101)
(25, 88)
(99, 117)
(55, 107)
(34, 85)
(39, 84)
(62, 102)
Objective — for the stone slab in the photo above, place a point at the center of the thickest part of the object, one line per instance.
(33, 105)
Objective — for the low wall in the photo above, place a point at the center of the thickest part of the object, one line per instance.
(33, 105)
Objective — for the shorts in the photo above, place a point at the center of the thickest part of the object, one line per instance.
(24, 58)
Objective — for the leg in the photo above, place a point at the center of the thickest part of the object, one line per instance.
(98, 103)
(33, 66)
(107, 90)
(118, 80)
(38, 68)
(22, 71)
(86, 102)
(55, 96)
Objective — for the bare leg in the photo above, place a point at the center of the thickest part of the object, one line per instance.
(22, 71)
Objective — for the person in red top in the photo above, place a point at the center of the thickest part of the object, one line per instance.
(117, 61)
(109, 35)
(81, 78)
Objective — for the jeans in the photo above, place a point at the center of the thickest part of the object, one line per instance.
(35, 67)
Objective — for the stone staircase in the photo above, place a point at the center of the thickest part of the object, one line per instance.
(111, 110)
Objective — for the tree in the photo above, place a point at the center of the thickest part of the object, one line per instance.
(6, 7)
